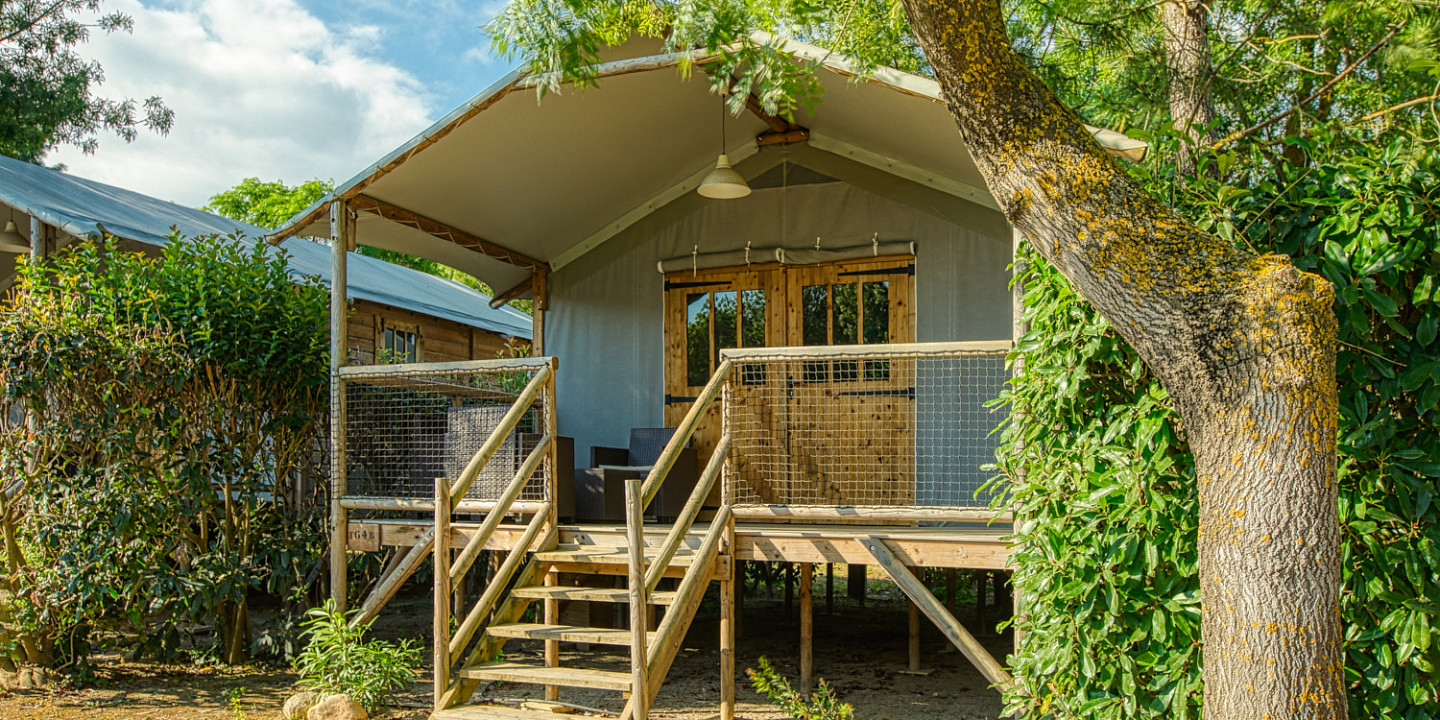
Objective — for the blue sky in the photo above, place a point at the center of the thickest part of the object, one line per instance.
(281, 89)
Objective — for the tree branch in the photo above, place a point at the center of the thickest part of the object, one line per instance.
(1232, 137)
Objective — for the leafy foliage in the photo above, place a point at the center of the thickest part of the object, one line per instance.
(45, 86)
(267, 204)
(1106, 482)
(821, 705)
(338, 659)
(171, 410)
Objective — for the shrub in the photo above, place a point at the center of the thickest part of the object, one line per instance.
(821, 705)
(338, 659)
(170, 408)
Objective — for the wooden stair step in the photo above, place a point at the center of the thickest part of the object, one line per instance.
(614, 595)
(564, 633)
(607, 556)
(541, 675)
(494, 712)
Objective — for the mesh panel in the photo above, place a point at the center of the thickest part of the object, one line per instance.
(872, 430)
(404, 430)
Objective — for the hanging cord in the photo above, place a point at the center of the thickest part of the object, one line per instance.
(747, 253)
(875, 245)
(695, 261)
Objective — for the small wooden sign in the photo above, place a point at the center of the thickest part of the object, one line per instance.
(363, 538)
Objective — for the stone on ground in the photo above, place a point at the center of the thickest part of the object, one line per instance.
(337, 707)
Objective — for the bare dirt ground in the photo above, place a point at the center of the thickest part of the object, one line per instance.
(860, 651)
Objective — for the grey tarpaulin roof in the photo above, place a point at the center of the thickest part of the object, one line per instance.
(81, 207)
(557, 179)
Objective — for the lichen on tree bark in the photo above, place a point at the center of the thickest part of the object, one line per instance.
(1244, 344)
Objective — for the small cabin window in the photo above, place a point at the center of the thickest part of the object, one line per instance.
(399, 343)
(720, 320)
(846, 314)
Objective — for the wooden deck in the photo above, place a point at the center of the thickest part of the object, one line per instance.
(968, 545)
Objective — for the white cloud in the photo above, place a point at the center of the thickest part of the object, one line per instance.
(259, 88)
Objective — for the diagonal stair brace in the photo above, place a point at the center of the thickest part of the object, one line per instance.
(938, 614)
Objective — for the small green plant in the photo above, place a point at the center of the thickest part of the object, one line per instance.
(821, 705)
(233, 704)
(338, 659)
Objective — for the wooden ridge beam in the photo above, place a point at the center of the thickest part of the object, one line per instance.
(781, 132)
(400, 215)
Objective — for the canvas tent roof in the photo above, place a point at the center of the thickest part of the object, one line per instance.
(83, 208)
(556, 178)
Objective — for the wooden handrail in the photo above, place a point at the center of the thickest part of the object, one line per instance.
(495, 588)
(666, 643)
(502, 431)
(682, 435)
(440, 368)
(681, 528)
(635, 538)
(502, 508)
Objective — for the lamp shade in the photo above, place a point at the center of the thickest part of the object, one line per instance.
(723, 183)
(13, 242)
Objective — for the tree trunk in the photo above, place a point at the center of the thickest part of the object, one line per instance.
(1245, 345)
(1185, 25)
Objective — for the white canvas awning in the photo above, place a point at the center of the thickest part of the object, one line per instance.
(552, 179)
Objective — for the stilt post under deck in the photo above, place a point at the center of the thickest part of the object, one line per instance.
(727, 629)
(1018, 327)
(340, 230)
(807, 631)
(635, 538)
(441, 626)
(914, 631)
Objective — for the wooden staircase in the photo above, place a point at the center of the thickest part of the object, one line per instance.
(597, 565)
(530, 574)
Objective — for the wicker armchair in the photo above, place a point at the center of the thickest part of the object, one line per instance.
(600, 489)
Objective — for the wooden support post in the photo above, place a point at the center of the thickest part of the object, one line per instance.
(829, 588)
(635, 538)
(339, 315)
(739, 598)
(951, 590)
(1018, 328)
(982, 590)
(807, 632)
(914, 636)
(728, 617)
(552, 647)
(552, 478)
(39, 240)
(855, 583)
(539, 302)
(1002, 593)
(789, 589)
(442, 591)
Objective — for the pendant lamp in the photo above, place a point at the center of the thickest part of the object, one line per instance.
(11, 240)
(723, 183)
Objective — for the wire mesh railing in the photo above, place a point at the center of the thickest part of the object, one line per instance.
(403, 426)
(865, 426)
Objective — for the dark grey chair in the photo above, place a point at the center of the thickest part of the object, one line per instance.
(600, 489)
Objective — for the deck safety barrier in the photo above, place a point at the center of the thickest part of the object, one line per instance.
(864, 430)
(405, 425)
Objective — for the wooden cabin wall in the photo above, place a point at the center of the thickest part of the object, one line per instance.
(441, 340)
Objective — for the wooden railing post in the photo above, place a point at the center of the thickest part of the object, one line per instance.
(635, 537)
(442, 590)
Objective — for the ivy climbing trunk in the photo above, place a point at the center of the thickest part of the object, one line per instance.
(1244, 344)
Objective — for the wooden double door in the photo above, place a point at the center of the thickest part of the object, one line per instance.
(816, 417)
